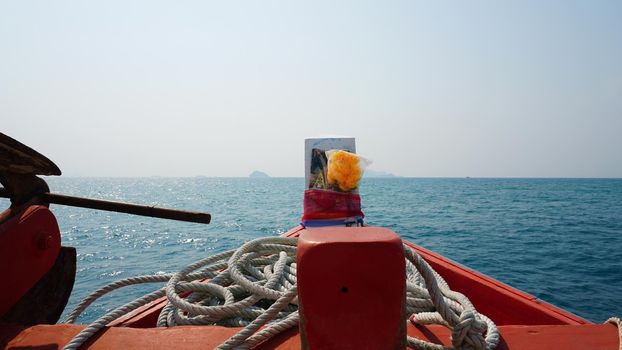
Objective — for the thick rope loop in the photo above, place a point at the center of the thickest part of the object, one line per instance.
(470, 330)
(259, 245)
(616, 321)
(451, 309)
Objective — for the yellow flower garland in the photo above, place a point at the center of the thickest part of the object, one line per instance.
(344, 170)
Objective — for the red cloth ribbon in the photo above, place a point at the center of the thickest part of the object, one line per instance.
(322, 204)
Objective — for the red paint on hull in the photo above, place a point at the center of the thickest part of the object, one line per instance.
(549, 337)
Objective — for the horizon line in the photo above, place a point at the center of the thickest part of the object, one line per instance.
(302, 177)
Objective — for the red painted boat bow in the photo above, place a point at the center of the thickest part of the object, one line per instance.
(524, 322)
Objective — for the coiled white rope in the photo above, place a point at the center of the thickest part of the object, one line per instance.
(430, 301)
(255, 285)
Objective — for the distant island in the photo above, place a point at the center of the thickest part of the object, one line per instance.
(258, 174)
(377, 173)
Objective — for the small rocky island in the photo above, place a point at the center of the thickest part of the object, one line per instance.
(377, 173)
(258, 175)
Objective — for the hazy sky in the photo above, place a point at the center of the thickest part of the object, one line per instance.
(184, 88)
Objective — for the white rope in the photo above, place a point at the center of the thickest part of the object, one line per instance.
(470, 330)
(251, 286)
(616, 321)
(255, 286)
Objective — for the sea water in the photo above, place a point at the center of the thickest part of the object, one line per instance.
(558, 239)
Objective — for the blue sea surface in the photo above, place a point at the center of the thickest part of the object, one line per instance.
(558, 239)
